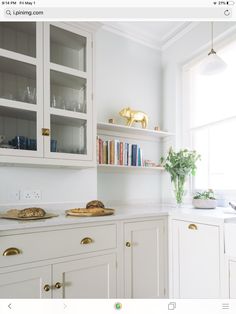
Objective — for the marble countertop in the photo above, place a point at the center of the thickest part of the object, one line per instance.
(219, 215)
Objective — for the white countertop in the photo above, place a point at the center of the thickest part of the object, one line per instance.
(219, 215)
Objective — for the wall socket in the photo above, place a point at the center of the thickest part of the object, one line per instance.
(30, 195)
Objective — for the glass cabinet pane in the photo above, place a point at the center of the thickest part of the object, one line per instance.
(17, 129)
(17, 80)
(68, 92)
(19, 37)
(68, 49)
(68, 135)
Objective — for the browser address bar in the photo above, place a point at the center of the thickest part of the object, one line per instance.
(113, 13)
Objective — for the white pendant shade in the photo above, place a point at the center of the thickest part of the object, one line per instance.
(213, 64)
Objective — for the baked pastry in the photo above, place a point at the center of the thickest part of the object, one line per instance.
(31, 212)
(86, 210)
(95, 204)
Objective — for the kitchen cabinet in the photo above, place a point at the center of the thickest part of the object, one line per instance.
(196, 260)
(46, 108)
(74, 262)
(232, 279)
(93, 278)
(145, 259)
(31, 283)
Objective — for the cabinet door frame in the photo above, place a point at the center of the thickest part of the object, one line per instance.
(129, 227)
(48, 110)
(36, 108)
(80, 262)
(22, 275)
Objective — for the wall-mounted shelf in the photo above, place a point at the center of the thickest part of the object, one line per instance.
(124, 131)
(107, 168)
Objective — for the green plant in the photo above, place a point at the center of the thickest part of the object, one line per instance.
(205, 195)
(180, 165)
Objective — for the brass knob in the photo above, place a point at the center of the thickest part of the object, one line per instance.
(58, 285)
(128, 244)
(11, 251)
(192, 227)
(45, 132)
(46, 288)
(86, 241)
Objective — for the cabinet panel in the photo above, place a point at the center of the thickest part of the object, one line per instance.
(26, 284)
(232, 279)
(93, 278)
(19, 37)
(144, 259)
(196, 262)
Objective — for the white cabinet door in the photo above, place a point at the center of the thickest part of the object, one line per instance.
(232, 279)
(68, 112)
(26, 284)
(92, 278)
(144, 259)
(196, 260)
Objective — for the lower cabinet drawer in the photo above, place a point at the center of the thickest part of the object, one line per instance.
(24, 248)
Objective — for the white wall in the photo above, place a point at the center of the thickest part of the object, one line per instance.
(193, 45)
(56, 185)
(128, 74)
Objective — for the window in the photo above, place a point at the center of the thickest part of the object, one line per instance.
(212, 123)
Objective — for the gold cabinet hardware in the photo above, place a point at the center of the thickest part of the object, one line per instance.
(46, 288)
(192, 227)
(58, 285)
(86, 241)
(128, 244)
(45, 132)
(11, 251)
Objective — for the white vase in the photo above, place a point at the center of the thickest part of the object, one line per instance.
(204, 204)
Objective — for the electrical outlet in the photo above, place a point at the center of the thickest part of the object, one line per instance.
(31, 195)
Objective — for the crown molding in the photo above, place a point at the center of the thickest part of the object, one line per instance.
(143, 40)
(166, 41)
(178, 33)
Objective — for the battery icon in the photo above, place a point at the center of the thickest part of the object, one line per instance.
(230, 2)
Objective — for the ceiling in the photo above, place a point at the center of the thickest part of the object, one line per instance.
(157, 35)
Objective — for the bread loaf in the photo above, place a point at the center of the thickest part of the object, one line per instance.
(31, 212)
(95, 204)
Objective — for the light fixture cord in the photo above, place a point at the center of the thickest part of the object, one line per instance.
(212, 35)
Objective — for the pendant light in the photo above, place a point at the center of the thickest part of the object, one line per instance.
(213, 64)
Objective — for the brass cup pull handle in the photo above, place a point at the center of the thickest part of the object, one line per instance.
(192, 227)
(128, 244)
(58, 285)
(86, 241)
(11, 251)
(46, 288)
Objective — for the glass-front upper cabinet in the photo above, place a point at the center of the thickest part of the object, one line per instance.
(21, 98)
(67, 92)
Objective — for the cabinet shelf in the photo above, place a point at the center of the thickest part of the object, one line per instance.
(105, 167)
(130, 132)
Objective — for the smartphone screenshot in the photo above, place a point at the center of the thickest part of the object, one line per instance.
(117, 157)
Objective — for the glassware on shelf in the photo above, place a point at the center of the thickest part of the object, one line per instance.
(29, 95)
(54, 102)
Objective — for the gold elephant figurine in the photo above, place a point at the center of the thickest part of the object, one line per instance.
(134, 116)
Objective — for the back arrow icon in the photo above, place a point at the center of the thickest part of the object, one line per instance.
(9, 305)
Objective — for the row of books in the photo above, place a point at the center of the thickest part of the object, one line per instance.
(115, 152)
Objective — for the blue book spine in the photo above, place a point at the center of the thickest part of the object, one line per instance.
(139, 157)
(134, 155)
